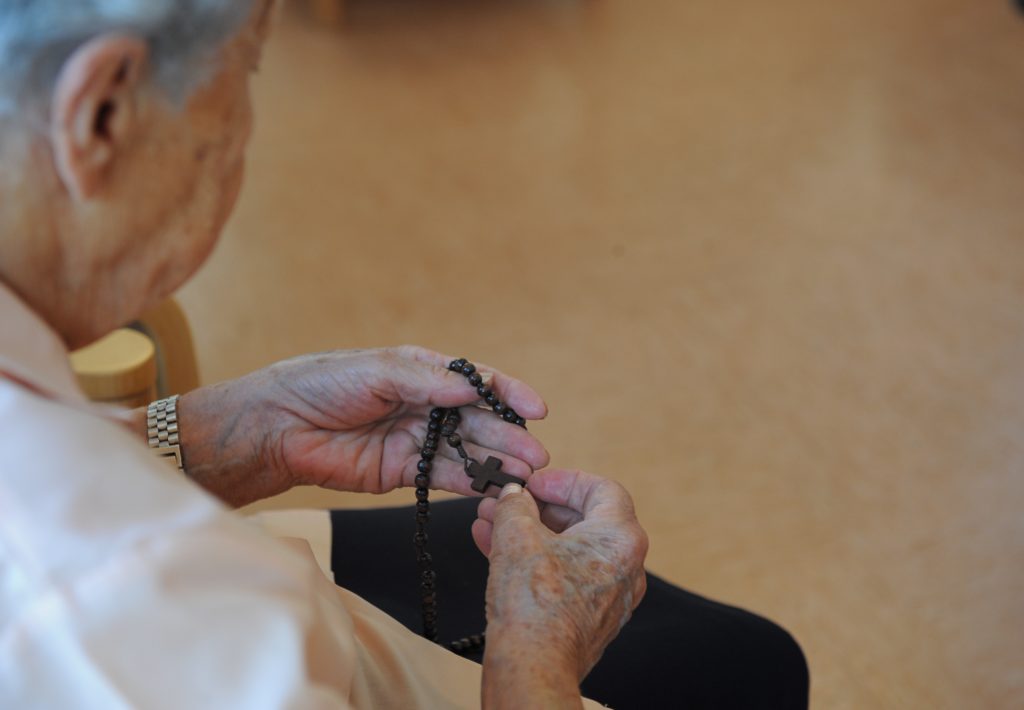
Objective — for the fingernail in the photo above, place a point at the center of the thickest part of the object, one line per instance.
(510, 489)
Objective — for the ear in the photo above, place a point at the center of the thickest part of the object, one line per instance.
(93, 110)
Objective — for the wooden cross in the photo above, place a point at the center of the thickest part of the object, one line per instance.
(489, 474)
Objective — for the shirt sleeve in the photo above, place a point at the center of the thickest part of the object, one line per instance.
(124, 585)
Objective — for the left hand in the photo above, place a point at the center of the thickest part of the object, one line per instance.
(348, 420)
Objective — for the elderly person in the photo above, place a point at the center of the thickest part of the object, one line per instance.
(122, 582)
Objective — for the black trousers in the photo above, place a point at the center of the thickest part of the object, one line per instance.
(679, 650)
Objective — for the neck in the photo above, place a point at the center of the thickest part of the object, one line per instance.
(35, 262)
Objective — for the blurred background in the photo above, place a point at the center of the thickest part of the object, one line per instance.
(764, 260)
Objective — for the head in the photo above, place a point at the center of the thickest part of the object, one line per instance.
(123, 125)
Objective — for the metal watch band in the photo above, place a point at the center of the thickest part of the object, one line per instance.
(162, 426)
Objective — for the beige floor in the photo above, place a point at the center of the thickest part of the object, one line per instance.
(765, 260)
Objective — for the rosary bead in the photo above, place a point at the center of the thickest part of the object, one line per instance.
(456, 365)
(520, 422)
(444, 422)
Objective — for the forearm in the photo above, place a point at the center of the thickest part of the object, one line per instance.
(520, 671)
(219, 450)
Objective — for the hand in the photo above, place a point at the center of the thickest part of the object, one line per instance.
(565, 574)
(348, 420)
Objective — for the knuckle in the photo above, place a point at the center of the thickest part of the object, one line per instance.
(634, 546)
(641, 589)
(615, 491)
(641, 541)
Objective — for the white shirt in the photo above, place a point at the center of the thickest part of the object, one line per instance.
(122, 584)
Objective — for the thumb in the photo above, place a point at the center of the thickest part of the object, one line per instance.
(514, 504)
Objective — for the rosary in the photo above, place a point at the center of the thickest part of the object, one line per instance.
(444, 423)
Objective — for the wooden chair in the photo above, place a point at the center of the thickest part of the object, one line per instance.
(151, 358)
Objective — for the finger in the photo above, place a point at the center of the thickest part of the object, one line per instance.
(514, 515)
(587, 494)
(403, 455)
(556, 518)
(515, 393)
(509, 464)
(445, 475)
(481, 532)
(485, 511)
(416, 381)
(486, 427)
(449, 474)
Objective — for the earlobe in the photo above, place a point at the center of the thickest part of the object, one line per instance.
(93, 110)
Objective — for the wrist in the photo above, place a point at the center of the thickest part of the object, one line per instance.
(523, 667)
(216, 431)
(226, 438)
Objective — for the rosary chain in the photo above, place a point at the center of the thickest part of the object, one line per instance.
(445, 423)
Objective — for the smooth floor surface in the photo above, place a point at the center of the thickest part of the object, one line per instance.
(764, 260)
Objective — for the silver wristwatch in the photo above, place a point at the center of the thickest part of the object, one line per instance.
(162, 425)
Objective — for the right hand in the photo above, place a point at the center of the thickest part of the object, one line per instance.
(567, 573)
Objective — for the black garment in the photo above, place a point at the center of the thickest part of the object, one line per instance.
(679, 650)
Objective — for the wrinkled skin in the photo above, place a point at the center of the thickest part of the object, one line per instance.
(566, 573)
(347, 420)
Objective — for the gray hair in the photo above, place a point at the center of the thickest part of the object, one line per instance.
(37, 36)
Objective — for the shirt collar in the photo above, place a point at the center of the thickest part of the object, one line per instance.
(31, 351)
